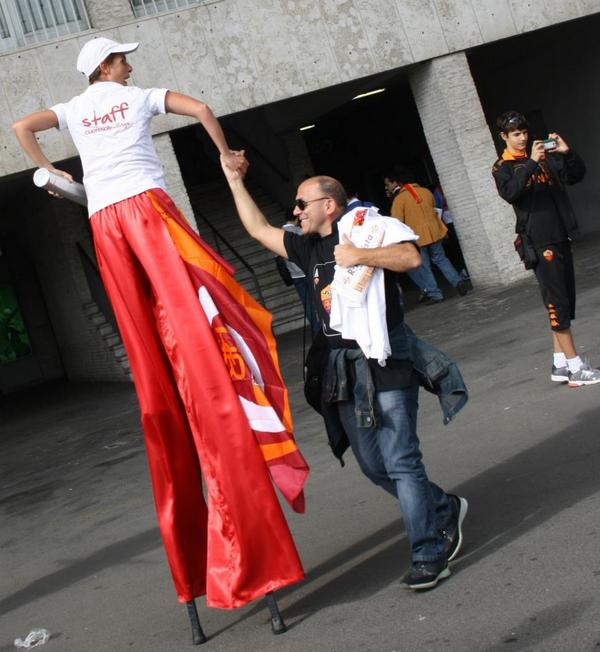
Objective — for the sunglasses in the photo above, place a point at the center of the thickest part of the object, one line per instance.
(303, 203)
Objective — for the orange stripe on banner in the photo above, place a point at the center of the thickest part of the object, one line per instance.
(194, 254)
(259, 397)
(273, 451)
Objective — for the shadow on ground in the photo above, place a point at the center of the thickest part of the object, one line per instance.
(506, 502)
(112, 555)
(545, 624)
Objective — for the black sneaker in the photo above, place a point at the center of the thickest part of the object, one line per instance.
(463, 288)
(454, 535)
(426, 574)
(431, 301)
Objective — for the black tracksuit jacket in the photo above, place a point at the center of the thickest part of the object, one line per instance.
(537, 192)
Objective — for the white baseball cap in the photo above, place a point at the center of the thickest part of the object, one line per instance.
(95, 51)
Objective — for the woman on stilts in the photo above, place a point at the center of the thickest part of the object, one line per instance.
(201, 351)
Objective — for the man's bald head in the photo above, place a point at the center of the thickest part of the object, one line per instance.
(323, 199)
(332, 188)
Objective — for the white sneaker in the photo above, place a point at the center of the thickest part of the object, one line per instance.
(587, 375)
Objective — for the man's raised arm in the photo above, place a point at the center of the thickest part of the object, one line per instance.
(252, 218)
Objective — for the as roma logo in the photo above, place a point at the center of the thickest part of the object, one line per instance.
(548, 255)
(359, 217)
(326, 298)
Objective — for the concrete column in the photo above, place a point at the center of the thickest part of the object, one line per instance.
(463, 152)
(298, 156)
(54, 228)
(175, 185)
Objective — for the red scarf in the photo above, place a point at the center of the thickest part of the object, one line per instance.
(412, 192)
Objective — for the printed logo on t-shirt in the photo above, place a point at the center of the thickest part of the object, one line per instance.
(542, 176)
(323, 276)
(326, 298)
(108, 121)
(359, 217)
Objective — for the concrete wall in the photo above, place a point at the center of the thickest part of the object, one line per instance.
(237, 54)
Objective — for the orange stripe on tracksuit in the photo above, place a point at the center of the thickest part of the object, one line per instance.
(236, 546)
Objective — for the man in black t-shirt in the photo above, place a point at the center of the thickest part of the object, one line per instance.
(535, 186)
(376, 406)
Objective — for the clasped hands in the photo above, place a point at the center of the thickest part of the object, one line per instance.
(235, 164)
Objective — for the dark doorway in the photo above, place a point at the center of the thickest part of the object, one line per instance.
(363, 138)
(28, 351)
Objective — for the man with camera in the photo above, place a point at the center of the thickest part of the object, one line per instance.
(535, 185)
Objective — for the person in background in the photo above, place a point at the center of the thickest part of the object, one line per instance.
(353, 199)
(452, 243)
(535, 185)
(298, 277)
(415, 206)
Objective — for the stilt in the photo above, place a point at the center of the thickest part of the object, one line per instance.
(198, 636)
(277, 624)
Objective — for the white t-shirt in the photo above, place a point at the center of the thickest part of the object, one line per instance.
(358, 309)
(110, 126)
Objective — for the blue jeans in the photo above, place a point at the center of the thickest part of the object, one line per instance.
(390, 456)
(423, 277)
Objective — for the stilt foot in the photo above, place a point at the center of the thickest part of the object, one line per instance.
(198, 636)
(277, 623)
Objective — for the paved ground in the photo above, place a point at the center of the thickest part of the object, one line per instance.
(80, 553)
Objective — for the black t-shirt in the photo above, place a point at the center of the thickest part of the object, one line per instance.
(315, 256)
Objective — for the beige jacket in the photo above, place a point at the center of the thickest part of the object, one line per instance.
(421, 217)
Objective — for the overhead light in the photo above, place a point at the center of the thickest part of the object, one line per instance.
(375, 92)
(307, 127)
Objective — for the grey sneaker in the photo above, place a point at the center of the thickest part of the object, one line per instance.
(560, 374)
(587, 375)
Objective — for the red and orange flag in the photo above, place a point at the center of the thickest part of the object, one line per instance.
(242, 331)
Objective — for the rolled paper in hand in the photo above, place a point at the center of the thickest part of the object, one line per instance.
(352, 282)
(72, 190)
